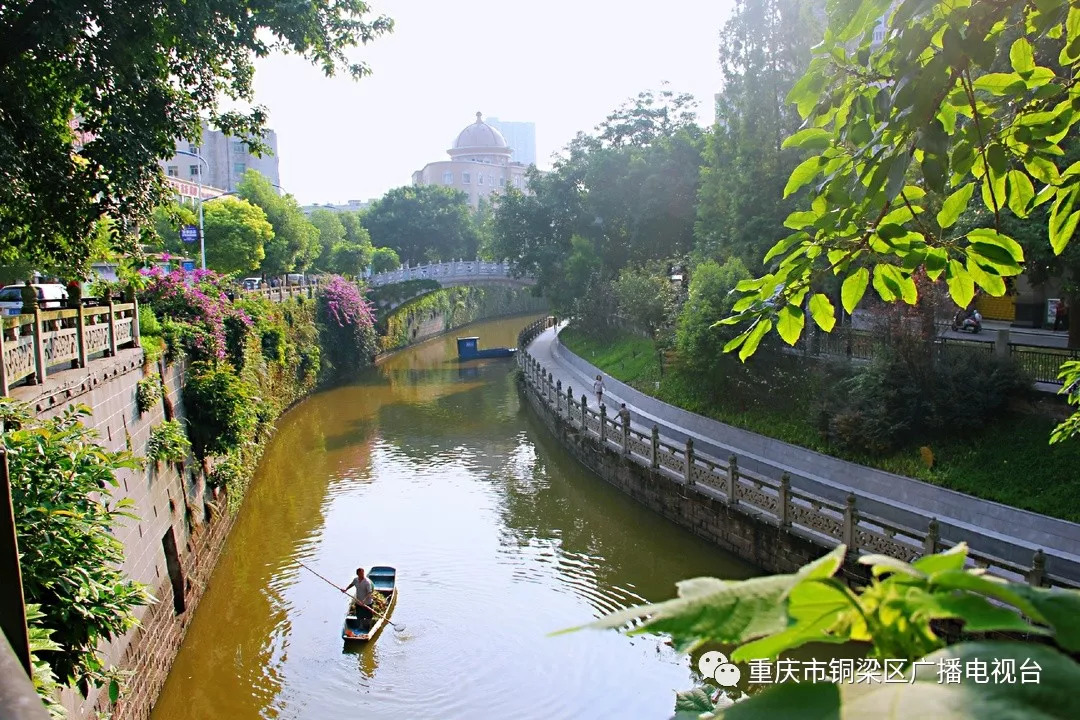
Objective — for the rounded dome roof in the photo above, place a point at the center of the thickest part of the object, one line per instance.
(479, 135)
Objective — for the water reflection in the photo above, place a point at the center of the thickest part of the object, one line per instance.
(499, 536)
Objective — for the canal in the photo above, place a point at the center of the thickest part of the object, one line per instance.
(499, 538)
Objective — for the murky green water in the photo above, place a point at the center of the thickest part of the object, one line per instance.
(499, 538)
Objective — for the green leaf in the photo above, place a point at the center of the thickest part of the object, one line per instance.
(789, 323)
(1021, 193)
(978, 613)
(993, 284)
(823, 312)
(1000, 83)
(951, 559)
(1042, 170)
(996, 185)
(815, 608)
(961, 285)
(114, 691)
(754, 339)
(1062, 218)
(853, 289)
(955, 205)
(803, 173)
(1059, 609)
(815, 139)
(799, 219)
(989, 236)
(1022, 57)
(783, 246)
(696, 700)
(936, 259)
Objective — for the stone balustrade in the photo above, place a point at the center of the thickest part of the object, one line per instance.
(283, 293)
(33, 343)
(769, 500)
(449, 273)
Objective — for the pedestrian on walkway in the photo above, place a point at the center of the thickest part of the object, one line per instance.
(598, 388)
(624, 415)
(1061, 316)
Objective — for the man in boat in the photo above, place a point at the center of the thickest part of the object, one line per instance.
(365, 592)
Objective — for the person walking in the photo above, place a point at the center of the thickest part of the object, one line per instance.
(598, 388)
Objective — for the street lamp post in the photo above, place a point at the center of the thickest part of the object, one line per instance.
(202, 242)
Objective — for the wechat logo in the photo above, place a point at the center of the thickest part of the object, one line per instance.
(715, 666)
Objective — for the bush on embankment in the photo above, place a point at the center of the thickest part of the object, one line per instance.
(456, 306)
(250, 359)
(1003, 454)
(76, 596)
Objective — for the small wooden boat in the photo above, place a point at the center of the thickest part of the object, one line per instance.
(384, 579)
(468, 349)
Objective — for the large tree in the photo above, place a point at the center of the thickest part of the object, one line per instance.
(93, 94)
(237, 233)
(927, 108)
(423, 223)
(764, 48)
(296, 241)
(623, 195)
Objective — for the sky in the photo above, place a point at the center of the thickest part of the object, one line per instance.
(562, 64)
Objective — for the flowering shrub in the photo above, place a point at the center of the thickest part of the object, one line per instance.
(342, 303)
(347, 326)
(197, 299)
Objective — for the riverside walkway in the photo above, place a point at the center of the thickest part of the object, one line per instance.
(990, 528)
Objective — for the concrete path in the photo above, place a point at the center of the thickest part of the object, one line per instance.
(989, 527)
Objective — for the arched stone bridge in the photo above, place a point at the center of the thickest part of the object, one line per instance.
(454, 272)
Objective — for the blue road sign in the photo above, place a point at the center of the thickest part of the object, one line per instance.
(189, 233)
(189, 265)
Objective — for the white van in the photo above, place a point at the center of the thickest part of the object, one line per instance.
(51, 296)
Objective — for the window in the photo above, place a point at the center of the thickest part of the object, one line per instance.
(193, 148)
(465, 178)
(502, 181)
(480, 178)
(173, 171)
(448, 178)
(239, 168)
(193, 170)
(238, 148)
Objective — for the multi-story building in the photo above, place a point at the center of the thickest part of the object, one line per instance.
(520, 136)
(227, 159)
(479, 164)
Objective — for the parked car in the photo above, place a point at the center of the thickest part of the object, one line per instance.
(252, 283)
(51, 296)
(294, 279)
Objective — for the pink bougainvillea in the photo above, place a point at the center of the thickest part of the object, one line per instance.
(344, 304)
(197, 298)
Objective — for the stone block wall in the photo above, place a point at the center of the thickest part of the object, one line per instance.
(167, 497)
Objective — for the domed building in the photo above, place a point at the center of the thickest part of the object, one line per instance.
(479, 164)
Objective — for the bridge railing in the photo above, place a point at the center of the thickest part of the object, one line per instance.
(33, 343)
(773, 500)
(452, 270)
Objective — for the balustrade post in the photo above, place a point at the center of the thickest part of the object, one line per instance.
(603, 422)
(80, 331)
(135, 338)
(784, 501)
(570, 405)
(550, 386)
(558, 396)
(626, 434)
(112, 329)
(851, 516)
(732, 479)
(584, 415)
(654, 461)
(933, 534)
(1037, 575)
(39, 347)
(689, 461)
(3, 365)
